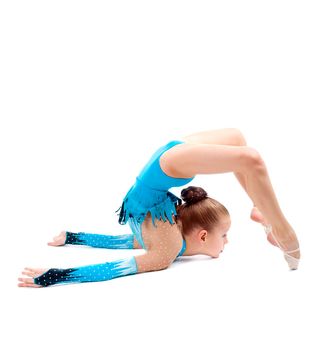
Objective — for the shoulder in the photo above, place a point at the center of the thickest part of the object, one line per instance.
(164, 238)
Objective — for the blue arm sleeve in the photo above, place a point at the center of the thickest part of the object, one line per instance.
(88, 273)
(100, 241)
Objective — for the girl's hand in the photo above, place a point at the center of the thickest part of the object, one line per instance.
(59, 239)
(33, 273)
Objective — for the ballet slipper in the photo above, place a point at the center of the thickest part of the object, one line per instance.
(291, 260)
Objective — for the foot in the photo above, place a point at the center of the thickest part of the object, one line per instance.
(289, 246)
(32, 273)
(257, 216)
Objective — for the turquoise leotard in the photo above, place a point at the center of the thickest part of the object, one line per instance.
(150, 192)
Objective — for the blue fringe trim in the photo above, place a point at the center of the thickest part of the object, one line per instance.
(141, 199)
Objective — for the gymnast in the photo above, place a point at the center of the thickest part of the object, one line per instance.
(166, 227)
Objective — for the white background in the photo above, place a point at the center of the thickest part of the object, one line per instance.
(89, 90)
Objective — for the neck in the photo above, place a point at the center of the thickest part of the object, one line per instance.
(191, 249)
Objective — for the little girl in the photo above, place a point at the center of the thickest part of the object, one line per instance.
(167, 228)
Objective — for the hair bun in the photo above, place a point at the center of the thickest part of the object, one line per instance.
(192, 194)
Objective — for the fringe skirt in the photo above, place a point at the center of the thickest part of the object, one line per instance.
(140, 200)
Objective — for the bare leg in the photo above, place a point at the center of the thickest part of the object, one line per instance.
(258, 186)
(224, 136)
(242, 178)
(260, 190)
(255, 214)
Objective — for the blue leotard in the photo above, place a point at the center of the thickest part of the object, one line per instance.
(150, 193)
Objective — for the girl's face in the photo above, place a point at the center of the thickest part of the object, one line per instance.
(217, 239)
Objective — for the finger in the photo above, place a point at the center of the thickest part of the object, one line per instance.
(29, 285)
(29, 268)
(36, 272)
(33, 274)
(28, 273)
(26, 280)
(51, 243)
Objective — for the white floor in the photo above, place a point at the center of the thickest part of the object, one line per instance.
(247, 296)
(89, 91)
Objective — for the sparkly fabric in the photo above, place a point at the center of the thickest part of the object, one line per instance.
(124, 241)
(150, 193)
(101, 241)
(88, 273)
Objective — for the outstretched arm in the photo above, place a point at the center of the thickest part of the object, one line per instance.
(124, 241)
(88, 273)
(100, 241)
(151, 261)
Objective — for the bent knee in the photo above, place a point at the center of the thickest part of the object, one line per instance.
(253, 159)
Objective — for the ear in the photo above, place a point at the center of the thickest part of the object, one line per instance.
(203, 235)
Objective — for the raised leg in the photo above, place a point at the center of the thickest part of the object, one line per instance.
(260, 190)
(223, 136)
(255, 180)
(234, 137)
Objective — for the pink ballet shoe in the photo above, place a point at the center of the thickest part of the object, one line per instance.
(293, 263)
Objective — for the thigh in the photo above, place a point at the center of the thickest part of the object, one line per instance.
(224, 136)
(188, 159)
